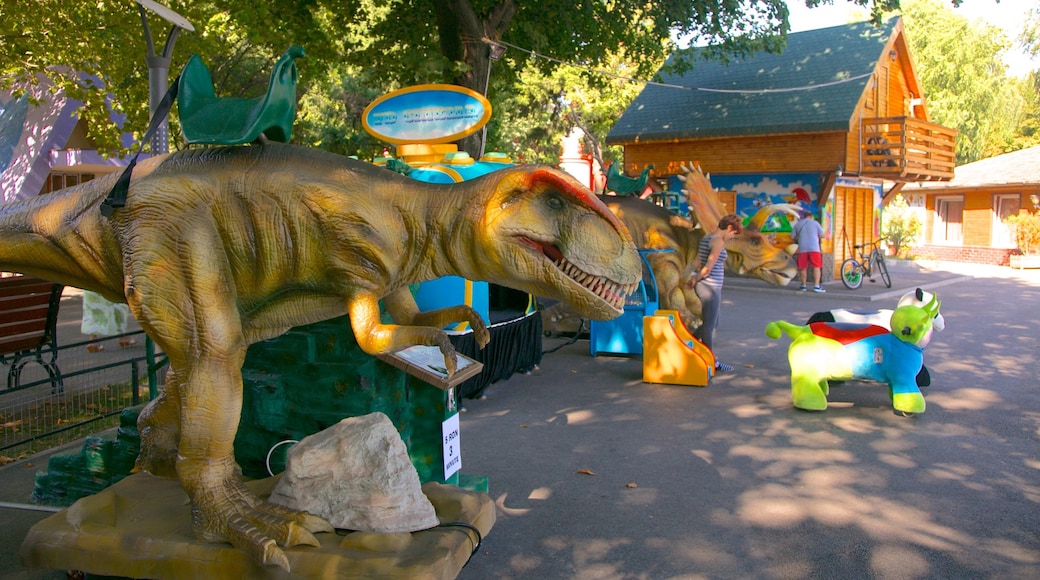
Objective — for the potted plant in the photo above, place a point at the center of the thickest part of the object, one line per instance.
(1026, 228)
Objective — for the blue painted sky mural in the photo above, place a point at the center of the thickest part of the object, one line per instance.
(757, 191)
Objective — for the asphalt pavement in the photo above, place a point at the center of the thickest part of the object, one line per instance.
(598, 475)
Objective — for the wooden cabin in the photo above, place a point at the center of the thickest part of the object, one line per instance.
(963, 218)
(837, 123)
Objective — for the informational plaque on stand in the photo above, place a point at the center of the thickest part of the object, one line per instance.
(427, 363)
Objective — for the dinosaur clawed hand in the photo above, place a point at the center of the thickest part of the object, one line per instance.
(428, 331)
(232, 514)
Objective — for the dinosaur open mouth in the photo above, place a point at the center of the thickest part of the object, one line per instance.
(613, 293)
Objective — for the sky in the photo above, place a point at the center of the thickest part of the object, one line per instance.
(1008, 15)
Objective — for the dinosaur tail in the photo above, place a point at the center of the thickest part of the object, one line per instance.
(61, 237)
(774, 329)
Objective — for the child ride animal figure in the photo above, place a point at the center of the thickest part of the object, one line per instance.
(883, 317)
(823, 351)
(916, 297)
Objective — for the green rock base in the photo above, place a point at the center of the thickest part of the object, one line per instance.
(295, 385)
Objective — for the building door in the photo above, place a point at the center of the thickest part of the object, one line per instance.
(1003, 206)
(855, 221)
(949, 216)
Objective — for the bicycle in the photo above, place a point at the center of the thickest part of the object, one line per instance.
(853, 270)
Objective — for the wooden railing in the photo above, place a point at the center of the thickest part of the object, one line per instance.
(907, 149)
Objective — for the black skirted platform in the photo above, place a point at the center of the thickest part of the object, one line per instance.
(515, 347)
(516, 340)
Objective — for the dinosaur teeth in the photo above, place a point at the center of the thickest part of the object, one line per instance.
(609, 291)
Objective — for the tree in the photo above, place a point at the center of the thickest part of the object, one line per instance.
(397, 42)
(532, 115)
(965, 81)
(1026, 227)
(900, 226)
(105, 39)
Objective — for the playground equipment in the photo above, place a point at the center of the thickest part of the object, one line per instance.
(207, 118)
(422, 121)
(672, 355)
(822, 352)
(624, 334)
(622, 184)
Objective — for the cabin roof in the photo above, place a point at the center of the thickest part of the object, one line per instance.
(1020, 167)
(758, 98)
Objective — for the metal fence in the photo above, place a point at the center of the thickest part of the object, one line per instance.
(97, 384)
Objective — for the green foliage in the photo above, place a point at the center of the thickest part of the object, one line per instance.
(1026, 228)
(964, 80)
(396, 43)
(329, 115)
(534, 114)
(1027, 133)
(900, 226)
(359, 48)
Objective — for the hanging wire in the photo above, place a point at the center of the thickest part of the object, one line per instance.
(494, 43)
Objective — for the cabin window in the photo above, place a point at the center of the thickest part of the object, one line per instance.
(58, 180)
(949, 218)
(1004, 205)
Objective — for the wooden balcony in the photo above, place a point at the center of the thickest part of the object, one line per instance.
(907, 149)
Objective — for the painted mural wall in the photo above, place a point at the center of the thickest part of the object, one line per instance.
(755, 191)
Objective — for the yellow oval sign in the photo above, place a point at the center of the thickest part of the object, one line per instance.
(426, 114)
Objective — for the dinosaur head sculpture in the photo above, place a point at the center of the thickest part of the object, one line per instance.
(752, 254)
(550, 236)
(749, 253)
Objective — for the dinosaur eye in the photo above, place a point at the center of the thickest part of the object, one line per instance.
(554, 202)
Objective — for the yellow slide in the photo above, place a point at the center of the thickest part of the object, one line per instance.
(672, 355)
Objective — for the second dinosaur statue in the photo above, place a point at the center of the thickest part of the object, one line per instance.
(654, 227)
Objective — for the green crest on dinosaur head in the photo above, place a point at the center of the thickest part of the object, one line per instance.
(913, 323)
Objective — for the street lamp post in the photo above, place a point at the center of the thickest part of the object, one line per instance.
(159, 65)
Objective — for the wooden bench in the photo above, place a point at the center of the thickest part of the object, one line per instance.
(28, 327)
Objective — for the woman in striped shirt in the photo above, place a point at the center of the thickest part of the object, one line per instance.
(707, 280)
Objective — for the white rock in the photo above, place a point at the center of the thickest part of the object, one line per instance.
(357, 475)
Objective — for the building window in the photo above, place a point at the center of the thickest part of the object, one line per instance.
(1004, 205)
(58, 180)
(949, 217)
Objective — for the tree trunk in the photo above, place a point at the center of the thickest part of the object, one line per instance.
(462, 36)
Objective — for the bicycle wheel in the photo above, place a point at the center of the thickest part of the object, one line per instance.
(851, 274)
(882, 269)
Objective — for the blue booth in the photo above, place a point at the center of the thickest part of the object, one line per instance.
(624, 334)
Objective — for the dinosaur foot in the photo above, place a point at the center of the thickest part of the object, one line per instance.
(233, 514)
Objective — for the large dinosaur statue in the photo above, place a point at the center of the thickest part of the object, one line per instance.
(654, 227)
(219, 248)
